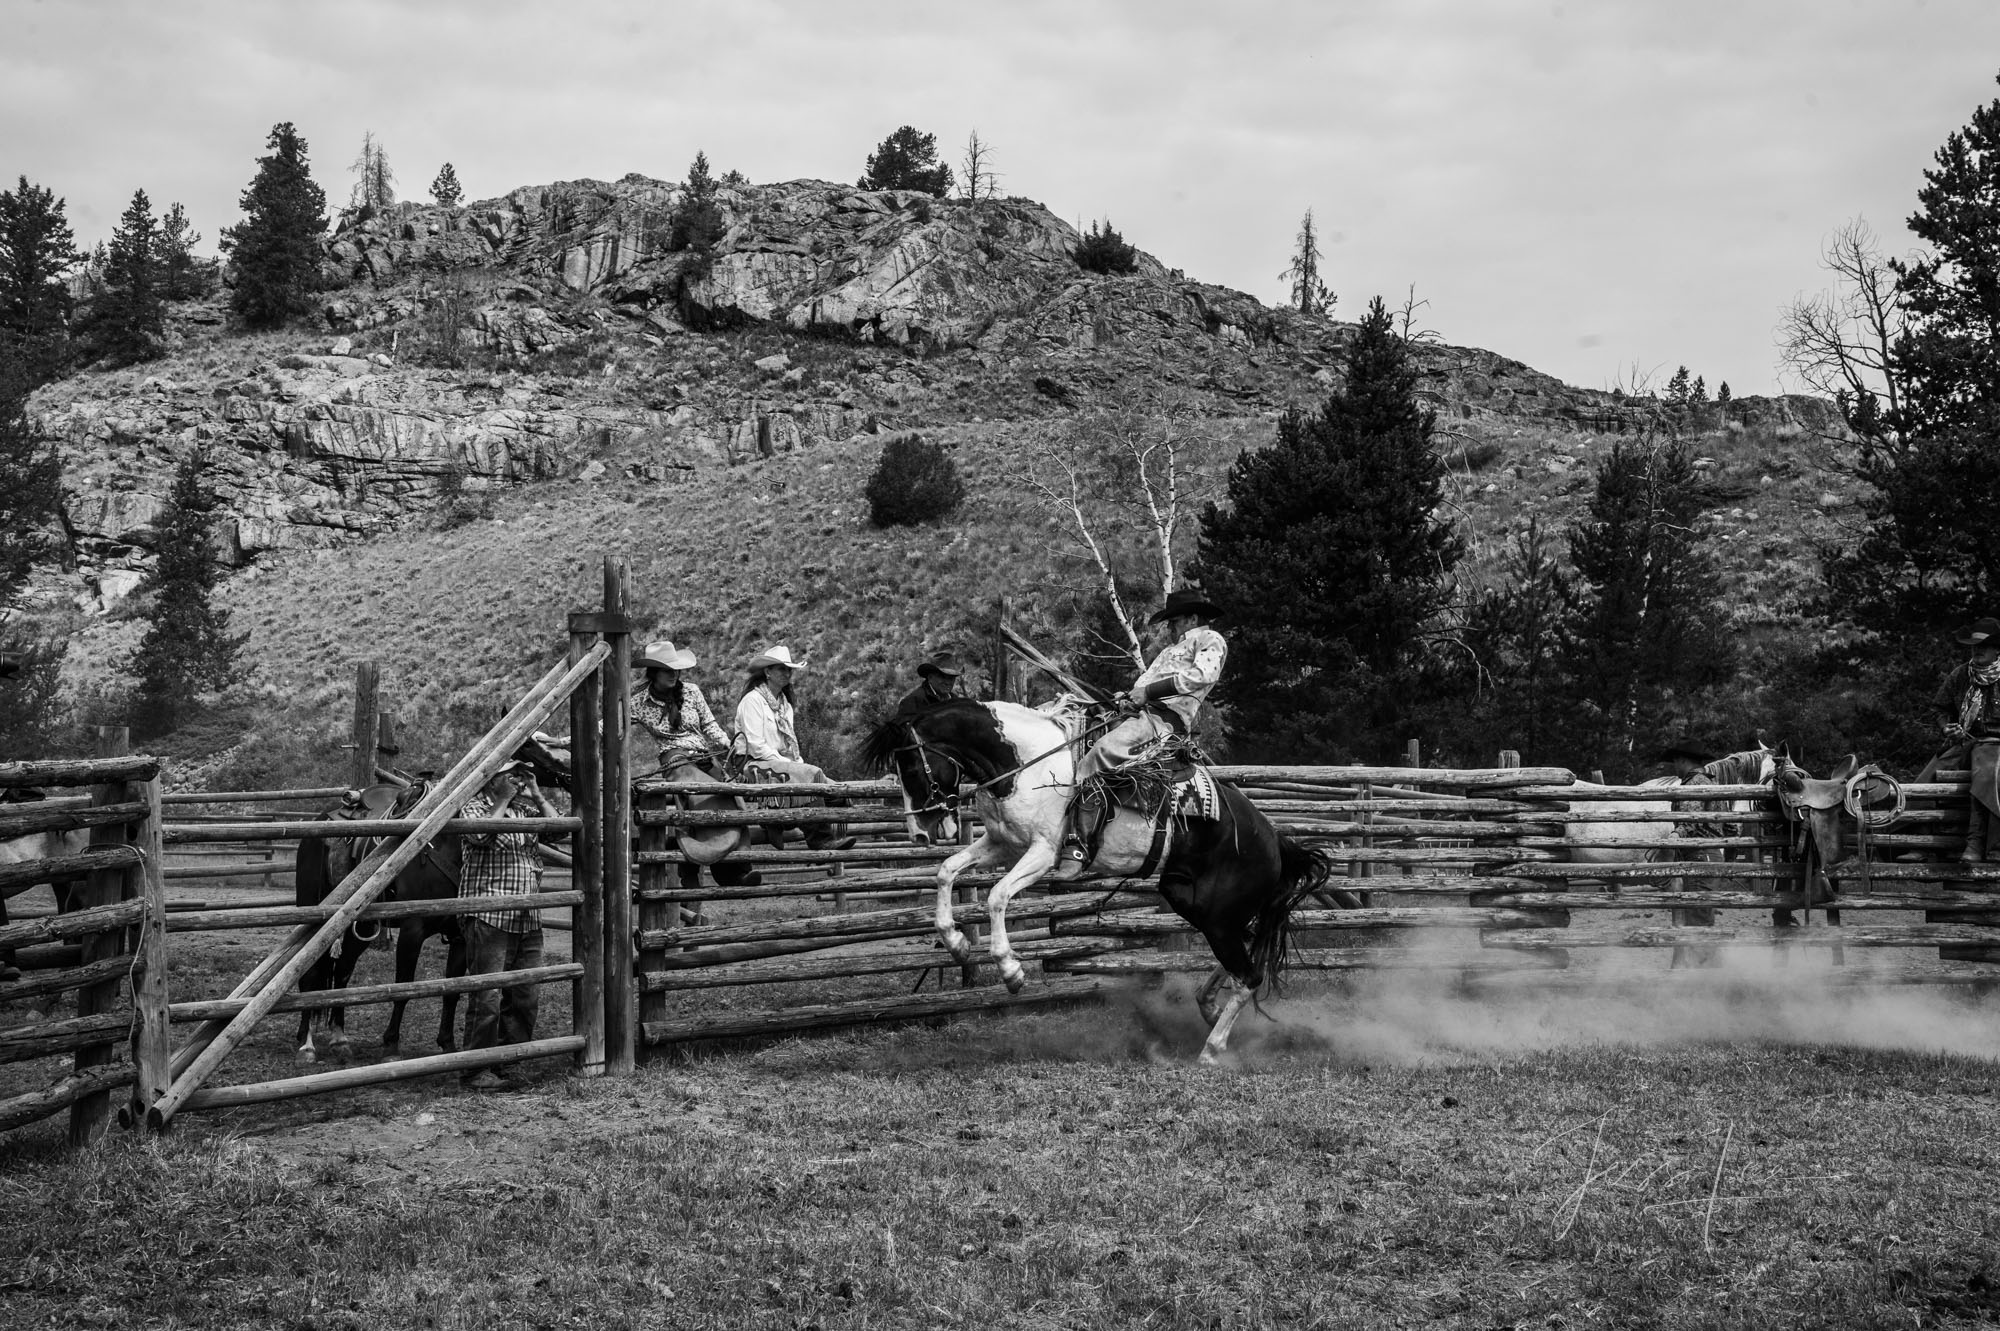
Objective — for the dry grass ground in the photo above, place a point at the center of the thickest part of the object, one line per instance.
(1374, 1158)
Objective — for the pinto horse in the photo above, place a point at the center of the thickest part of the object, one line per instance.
(1234, 877)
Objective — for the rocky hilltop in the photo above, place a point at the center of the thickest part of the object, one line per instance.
(555, 332)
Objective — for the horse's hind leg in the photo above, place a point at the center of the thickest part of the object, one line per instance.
(1204, 997)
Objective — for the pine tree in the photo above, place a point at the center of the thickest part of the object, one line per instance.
(1105, 251)
(275, 248)
(1330, 562)
(128, 321)
(182, 276)
(30, 486)
(1646, 628)
(37, 252)
(1722, 399)
(1930, 555)
(1518, 636)
(444, 190)
(1679, 391)
(907, 160)
(187, 647)
(698, 222)
(1309, 294)
(1698, 395)
(374, 183)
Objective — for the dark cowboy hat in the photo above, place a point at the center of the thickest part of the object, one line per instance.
(1186, 601)
(942, 663)
(1982, 632)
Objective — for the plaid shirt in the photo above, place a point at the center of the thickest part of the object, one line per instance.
(499, 864)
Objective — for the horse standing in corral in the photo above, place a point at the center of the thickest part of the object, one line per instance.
(1232, 876)
(432, 876)
(38, 846)
(1646, 842)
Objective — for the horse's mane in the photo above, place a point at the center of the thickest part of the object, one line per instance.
(878, 751)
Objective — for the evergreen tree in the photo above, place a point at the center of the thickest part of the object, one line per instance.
(1930, 555)
(1518, 636)
(37, 252)
(907, 160)
(182, 276)
(30, 487)
(1331, 563)
(187, 647)
(1679, 391)
(444, 190)
(698, 222)
(1722, 400)
(1105, 251)
(1309, 294)
(33, 720)
(1698, 394)
(1646, 630)
(275, 248)
(374, 182)
(128, 321)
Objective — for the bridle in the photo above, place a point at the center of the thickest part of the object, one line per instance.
(950, 802)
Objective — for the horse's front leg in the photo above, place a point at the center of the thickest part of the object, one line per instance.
(1204, 997)
(979, 855)
(1040, 858)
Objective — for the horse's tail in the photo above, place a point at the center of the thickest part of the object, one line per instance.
(1303, 872)
(309, 874)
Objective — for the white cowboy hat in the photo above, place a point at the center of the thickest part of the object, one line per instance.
(779, 655)
(663, 655)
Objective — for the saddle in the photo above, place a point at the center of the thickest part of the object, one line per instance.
(1162, 789)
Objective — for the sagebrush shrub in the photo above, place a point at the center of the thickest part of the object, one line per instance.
(915, 481)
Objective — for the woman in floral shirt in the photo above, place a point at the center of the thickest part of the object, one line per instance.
(672, 710)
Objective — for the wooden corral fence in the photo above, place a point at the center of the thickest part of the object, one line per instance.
(1464, 872)
(167, 1079)
(110, 952)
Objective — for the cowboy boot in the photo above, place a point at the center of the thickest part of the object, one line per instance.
(1975, 836)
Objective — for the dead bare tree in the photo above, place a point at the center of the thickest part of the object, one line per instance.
(375, 183)
(1839, 341)
(1109, 476)
(978, 180)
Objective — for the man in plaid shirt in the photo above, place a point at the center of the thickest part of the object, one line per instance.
(502, 864)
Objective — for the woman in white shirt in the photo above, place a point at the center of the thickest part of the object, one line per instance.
(769, 724)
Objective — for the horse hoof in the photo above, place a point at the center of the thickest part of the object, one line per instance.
(956, 944)
(307, 1056)
(1014, 980)
(1207, 1058)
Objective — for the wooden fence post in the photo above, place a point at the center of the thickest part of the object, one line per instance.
(386, 748)
(88, 1115)
(1413, 753)
(152, 1039)
(587, 864)
(620, 1037)
(652, 914)
(361, 767)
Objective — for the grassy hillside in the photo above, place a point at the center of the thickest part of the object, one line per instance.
(462, 618)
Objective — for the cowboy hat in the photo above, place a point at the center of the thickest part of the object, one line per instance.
(1982, 632)
(779, 655)
(1186, 601)
(942, 663)
(663, 655)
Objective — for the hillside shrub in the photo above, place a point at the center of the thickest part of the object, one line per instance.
(916, 481)
(1105, 251)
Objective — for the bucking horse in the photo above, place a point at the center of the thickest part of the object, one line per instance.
(1222, 866)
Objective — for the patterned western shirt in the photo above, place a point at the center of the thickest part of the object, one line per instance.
(1194, 664)
(684, 735)
(499, 864)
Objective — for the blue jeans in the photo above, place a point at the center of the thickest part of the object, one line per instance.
(500, 1016)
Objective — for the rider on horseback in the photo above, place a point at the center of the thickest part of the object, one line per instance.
(1162, 705)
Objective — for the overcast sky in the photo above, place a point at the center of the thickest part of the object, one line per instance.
(1587, 186)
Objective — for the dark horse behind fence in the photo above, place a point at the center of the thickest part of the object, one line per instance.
(432, 876)
(1231, 875)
